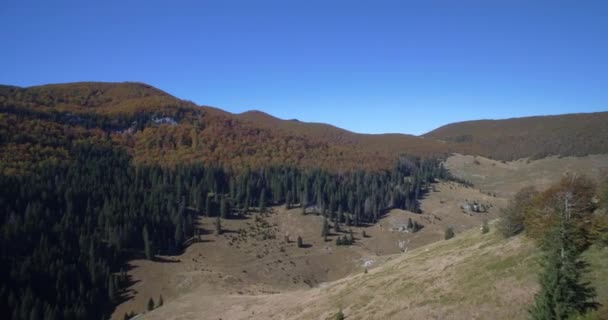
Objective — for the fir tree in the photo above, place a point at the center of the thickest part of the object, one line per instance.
(223, 208)
(218, 225)
(262, 201)
(147, 244)
(449, 233)
(150, 304)
(562, 294)
(325, 229)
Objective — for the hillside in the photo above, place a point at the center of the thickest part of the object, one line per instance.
(537, 137)
(242, 261)
(505, 178)
(41, 123)
(472, 276)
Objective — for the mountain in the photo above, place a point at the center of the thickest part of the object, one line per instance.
(536, 137)
(40, 124)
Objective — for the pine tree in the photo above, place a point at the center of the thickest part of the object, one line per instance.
(150, 304)
(562, 294)
(223, 208)
(218, 225)
(324, 229)
(147, 244)
(449, 233)
(262, 201)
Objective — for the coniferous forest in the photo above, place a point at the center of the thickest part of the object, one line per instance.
(69, 228)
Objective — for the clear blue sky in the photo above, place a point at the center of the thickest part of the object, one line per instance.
(367, 66)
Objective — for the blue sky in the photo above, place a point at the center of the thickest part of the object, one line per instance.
(367, 66)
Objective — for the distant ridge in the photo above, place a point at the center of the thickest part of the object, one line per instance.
(41, 123)
(577, 134)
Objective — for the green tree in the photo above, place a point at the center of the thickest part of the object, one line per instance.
(218, 225)
(449, 233)
(223, 208)
(147, 244)
(562, 293)
(262, 201)
(325, 229)
(339, 315)
(150, 304)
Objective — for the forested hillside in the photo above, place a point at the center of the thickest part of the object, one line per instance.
(36, 124)
(70, 226)
(535, 137)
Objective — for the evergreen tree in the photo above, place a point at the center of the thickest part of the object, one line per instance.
(147, 244)
(207, 206)
(223, 208)
(262, 201)
(562, 294)
(150, 304)
(324, 228)
(218, 225)
(449, 233)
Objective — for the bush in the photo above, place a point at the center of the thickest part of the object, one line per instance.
(449, 233)
(512, 218)
(339, 315)
(485, 227)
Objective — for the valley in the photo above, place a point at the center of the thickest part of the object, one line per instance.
(178, 211)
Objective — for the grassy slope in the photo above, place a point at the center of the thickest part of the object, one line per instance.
(471, 276)
(506, 178)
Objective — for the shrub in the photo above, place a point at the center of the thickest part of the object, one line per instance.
(339, 315)
(449, 233)
(511, 218)
(485, 227)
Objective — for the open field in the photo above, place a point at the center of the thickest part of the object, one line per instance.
(253, 258)
(472, 276)
(508, 177)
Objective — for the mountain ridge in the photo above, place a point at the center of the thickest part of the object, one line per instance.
(159, 128)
